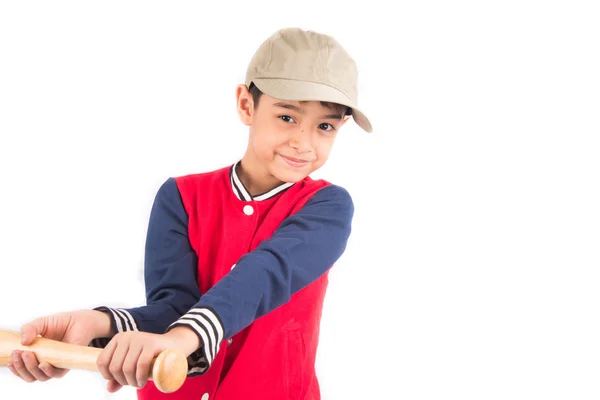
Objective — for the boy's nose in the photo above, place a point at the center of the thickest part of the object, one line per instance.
(301, 141)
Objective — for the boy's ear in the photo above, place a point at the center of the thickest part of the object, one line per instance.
(345, 119)
(244, 104)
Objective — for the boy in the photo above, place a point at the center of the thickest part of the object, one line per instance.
(237, 259)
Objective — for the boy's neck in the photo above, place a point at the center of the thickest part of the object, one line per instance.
(256, 179)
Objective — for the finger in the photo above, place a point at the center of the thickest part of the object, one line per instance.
(105, 358)
(113, 386)
(32, 365)
(143, 367)
(13, 370)
(130, 364)
(116, 363)
(20, 368)
(31, 330)
(52, 371)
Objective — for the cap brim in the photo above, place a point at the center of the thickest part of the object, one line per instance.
(292, 90)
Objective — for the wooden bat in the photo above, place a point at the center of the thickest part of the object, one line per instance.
(168, 370)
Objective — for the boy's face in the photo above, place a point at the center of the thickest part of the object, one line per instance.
(288, 139)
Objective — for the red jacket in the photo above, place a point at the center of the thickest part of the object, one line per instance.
(273, 357)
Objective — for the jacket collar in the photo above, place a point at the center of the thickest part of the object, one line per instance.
(242, 193)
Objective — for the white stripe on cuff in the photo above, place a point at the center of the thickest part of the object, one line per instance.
(197, 357)
(126, 323)
(195, 370)
(213, 318)
(202, 320)
(118, 320)
(131, 320)
(123, 320)
(206, 313)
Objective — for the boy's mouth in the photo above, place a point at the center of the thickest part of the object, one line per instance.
(294, 162)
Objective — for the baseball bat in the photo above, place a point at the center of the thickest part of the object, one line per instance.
(168, 370)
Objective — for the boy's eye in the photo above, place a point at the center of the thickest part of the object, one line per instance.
(286, 118)
(324, 126)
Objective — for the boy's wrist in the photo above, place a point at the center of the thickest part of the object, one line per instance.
(102, 326)
(186, 339)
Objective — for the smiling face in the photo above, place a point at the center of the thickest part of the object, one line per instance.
(288, 139)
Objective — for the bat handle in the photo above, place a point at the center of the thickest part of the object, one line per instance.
(168, 370)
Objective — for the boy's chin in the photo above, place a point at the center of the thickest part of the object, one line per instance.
(289, 175)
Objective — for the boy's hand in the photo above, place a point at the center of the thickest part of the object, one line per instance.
(127, 358)
(77, 327)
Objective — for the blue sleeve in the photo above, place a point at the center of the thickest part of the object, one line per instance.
(170, 270)
(302, 249)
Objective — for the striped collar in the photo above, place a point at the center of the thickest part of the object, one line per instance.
(242, 193)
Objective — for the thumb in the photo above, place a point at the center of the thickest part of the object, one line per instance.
(30, 331)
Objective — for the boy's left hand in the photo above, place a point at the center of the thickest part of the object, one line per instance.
(127, 358)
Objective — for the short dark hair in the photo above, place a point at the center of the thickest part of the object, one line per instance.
(256, 93)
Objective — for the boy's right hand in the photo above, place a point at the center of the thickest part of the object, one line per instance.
(77, 327)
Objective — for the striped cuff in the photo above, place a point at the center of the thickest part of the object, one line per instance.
(197, 364)
(120, 321)
(209, 328)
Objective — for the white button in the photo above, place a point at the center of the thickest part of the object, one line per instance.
(248, 210)
(233, 266)
(229, 341)
(205, 396)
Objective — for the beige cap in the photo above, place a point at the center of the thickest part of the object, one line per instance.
(298, 65)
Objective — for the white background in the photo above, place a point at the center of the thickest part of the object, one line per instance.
(473, 267)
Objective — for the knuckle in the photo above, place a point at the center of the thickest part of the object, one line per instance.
(114, 369)
(101, 361)
(144, 366)
(102, 364)
(129, 369)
